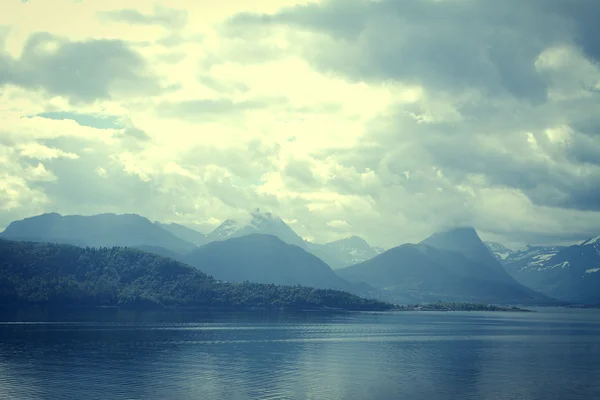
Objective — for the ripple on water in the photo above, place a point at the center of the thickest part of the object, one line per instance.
(374, 356)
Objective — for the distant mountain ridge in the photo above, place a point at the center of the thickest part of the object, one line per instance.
(460, 264)
(172, 238)
(183, 232)
(567, 273)
(102, 230)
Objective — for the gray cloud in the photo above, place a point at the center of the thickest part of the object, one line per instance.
(222, 86)
(99, 122)
(247, 161)
(97, 181)
(298, 175)
(480, 58)
(82, 71)
(448, 45)
(203, 109)
(162, 16)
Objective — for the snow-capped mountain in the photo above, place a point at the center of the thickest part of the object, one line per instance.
(499, 251)
(226, 230)
(337, 254)
(567, 273)
(265, 223)
(532, 257)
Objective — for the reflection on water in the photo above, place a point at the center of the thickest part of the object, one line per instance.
(550, 354)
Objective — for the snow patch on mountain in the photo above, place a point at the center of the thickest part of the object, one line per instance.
(500, 251)
(379, 250)
(591, 241)
(533, 258)
(226, 230)
(561, 265)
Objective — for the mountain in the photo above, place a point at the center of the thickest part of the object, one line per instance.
(567, 273)
(226, 230)
(336, 254)
(261, 223)
(265, 259)
(379, 250)
(499, 251)
(185, 233)
(448, 266)
(103, 230)
(532, 256)
(344, 252)
(63, 275)
(466, 241)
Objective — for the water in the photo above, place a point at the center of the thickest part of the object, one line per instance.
(550, 354)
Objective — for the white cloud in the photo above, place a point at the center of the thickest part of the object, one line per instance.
(333, 115)
(41, 152)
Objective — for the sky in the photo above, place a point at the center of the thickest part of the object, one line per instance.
(386, 119)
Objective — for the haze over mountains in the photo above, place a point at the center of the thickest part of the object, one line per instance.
(454, 265)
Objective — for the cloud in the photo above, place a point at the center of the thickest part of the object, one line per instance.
(162, 16)
(499, 82)
(446, 45)
(386, 119)
(202, 109)
(40, 152)
(82, 71)
(100, 122)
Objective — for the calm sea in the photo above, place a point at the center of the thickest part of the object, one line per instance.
(549, 354)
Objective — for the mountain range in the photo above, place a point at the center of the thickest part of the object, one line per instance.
(338, 254)
(102, 230)
(454, 265)
(568, 273)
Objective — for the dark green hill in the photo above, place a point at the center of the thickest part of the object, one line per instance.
(64, 275)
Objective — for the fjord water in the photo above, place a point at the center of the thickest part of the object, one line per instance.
(549, 354)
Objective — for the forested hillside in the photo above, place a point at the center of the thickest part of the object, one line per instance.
(56, 274)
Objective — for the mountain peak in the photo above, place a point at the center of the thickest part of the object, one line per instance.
(454, 237)
(260, 219)
(467, 242)
(352, 240)
(464, 231)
